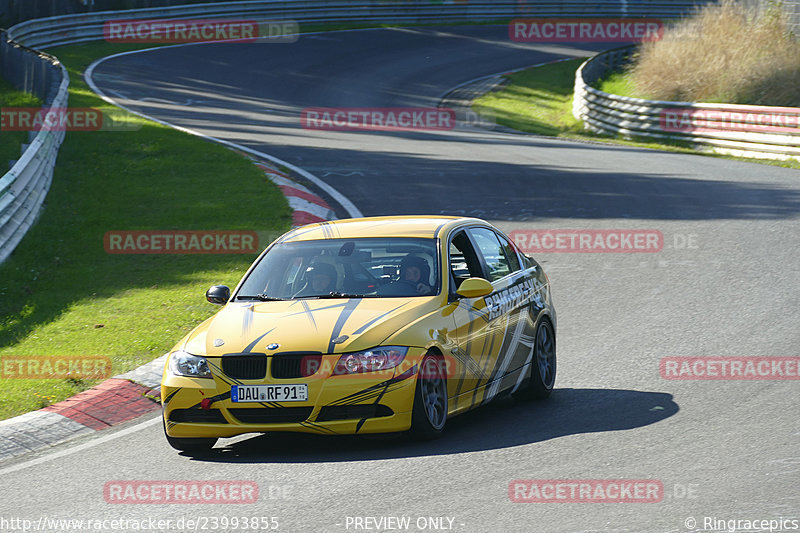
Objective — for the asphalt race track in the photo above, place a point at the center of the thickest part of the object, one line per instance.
(724, 284)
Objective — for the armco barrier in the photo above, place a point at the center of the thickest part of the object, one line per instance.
(54, 31)
(763, 132)
(22, 190)
(24, 187)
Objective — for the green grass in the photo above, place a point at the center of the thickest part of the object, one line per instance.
(62, 294)
(538, 100)
(618, 83)
(11, 141)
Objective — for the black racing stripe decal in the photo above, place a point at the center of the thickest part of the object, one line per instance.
(317, 427)
(507, 350)
(170, 396)
(217, 398)
(377, 401)
(326, 230)
(309, 314)
(384, 315)
(482, 314)
(468, 354)
(485, 366)
(334, 306)
(471, 368)
(390, 384)
(252, 345)
(473, 314)
(348, 309)
(366, 395)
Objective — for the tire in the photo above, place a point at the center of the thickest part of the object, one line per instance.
(542, 377)
(429, 415)
(190, 445)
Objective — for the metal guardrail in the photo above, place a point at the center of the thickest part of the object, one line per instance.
(763, 132)
(54, 31)
(24, 187)
(22, 190)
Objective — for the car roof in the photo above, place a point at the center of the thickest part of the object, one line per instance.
(388, 226)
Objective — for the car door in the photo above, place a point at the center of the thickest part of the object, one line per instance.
(496, 332)
(470, 322)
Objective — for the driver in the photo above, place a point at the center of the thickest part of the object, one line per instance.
(415, 271)
(320, 278)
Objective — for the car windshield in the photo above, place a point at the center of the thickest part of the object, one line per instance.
(342, 268)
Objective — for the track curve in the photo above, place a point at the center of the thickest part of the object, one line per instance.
(726, 449)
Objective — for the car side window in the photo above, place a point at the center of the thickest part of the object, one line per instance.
(492, 251)
(464, 262)
(511, 253)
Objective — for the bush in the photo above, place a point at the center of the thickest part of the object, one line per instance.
(723, 53)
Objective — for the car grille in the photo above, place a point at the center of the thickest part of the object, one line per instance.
(208, 416)
(271, 415)
(352, 412)
(289, 366)
(246, 366)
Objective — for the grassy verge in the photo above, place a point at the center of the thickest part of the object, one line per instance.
(539, 100)
(730, 51)
(619, 83)
(536, 100)
(11, 141)
(62, 294)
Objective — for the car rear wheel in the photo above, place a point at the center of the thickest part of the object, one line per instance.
(191, 445)
(543, 366)
(429, 414)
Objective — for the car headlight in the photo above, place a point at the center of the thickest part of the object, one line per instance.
(380, 358)
(185, 364)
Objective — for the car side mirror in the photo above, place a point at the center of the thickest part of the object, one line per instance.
(475, 288)
(218, 294)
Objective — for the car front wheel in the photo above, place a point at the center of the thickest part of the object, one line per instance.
(429, 414)
(543, 366)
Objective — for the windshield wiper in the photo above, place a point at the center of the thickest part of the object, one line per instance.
(335, 294)
(262, 298)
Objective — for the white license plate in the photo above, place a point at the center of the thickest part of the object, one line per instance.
(269, 393)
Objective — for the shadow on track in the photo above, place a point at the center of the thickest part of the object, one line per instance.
(501, 424)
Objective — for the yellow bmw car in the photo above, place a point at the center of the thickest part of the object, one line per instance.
(370, 325)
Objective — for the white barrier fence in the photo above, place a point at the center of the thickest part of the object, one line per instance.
(22, 190)
(762, 132)
(24, 187)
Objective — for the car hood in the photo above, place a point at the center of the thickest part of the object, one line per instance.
(306, 325)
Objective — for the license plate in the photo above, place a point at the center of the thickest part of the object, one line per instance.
(269, 393)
